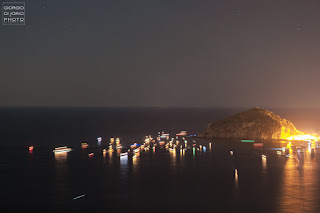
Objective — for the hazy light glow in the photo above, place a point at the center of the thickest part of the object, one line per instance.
(303, 137)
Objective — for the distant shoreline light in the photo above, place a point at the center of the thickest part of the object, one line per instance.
(303, 137)
(247, 141)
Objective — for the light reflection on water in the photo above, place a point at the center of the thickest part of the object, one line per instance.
(61, 172)
(124, 168)
(299, 184)
(110, 153)
(60, 159)
(173, 155)
(294, 181)
(135, 164)
(236, 178)
(264, 165)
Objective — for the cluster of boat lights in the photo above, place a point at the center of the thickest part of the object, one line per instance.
(149, 143)
(173, 145)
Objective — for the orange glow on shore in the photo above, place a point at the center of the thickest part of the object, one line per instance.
(303, 137)
(289, 145)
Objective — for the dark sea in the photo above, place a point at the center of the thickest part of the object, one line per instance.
(161, 180)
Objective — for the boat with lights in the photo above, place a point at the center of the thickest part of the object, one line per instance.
(62, 149)
(124, 154)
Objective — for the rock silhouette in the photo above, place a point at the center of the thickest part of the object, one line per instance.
(255, 123)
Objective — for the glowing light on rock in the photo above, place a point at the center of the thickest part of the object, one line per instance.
(303, 137)
(289, 145)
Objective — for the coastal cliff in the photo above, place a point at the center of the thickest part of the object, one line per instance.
(255, 123)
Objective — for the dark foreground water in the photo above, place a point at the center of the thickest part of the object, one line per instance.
(156, 181)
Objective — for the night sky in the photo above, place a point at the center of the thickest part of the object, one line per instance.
(215, 53)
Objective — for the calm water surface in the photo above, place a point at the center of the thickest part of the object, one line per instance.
(156, 181)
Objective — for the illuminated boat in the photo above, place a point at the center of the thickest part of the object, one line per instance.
(165, 136)
(62, 149)
(84, 145)
(148, 139)
(136, 150)
(111, 140)
(133, 145)
(182, 133)
(119, 146)
(118, 141)
(110, 147)
(124, 154)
